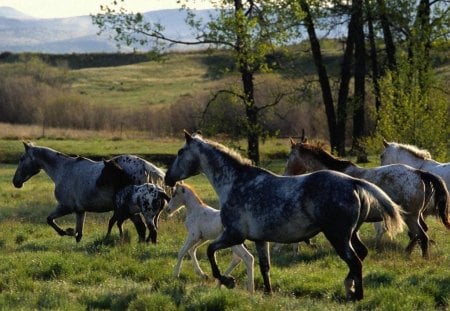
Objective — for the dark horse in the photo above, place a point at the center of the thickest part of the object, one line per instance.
(75, 179)
(260, 206)
(147, 199)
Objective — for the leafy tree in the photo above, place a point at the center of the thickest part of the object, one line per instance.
(249, 29)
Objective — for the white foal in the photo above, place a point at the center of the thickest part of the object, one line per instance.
(203, 223)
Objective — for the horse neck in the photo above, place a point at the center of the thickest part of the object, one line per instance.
(325, 161)
(220, 171)
(192, 201)
(412, 160)
(49, 160)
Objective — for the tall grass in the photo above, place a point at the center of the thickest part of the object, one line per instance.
(41, 270)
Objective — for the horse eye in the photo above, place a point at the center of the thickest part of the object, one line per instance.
(180, 152)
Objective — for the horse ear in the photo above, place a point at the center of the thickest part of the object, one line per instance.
(292, 141)
(27, 145)
(385, 142)
(187, 136)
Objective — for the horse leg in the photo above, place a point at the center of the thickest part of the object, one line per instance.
(225, 240)
(153, 233)
(140, 226)
(111, 223)
(59, 211)
(425, 227)
(240, 252)
(262, 249)
(193, 254)
(360, 249)
(416, 233)
(81, 216)
(341, 243)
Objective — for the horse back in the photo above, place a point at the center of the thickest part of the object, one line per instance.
(291, 208)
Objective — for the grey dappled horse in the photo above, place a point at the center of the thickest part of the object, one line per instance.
(407, 186)
(75, 178)
(260, 206)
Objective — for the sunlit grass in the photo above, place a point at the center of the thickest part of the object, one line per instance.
(41, 270)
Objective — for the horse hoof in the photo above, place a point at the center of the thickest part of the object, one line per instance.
(70, 232)
(78, 238)
(204, 276)
(228, 281)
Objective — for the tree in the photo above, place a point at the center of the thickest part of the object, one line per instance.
(250, 29)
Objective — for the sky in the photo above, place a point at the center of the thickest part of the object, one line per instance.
(68, 8)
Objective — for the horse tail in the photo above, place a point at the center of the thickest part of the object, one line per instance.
(436, 185)
(156, 176)
(374, 197)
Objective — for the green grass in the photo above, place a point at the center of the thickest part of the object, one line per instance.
(41, 270)
(149, 83)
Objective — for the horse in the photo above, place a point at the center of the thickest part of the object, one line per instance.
(261, 206)
(75, 179)
(203, 223)
(132, 200)
(415, 157)
(408, 187)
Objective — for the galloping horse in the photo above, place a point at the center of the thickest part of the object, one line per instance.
(415, 157)
(75, 179)
(203, 223)
(262, 207)
(409, 187)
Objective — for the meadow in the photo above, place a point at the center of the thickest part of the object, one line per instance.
(43, 271)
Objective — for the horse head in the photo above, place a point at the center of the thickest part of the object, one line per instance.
(178, 199)
(113, 175)
(186, 163)
(27, 168)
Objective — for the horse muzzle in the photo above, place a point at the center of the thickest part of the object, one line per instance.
(17, 184)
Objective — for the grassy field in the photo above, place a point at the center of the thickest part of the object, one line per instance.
(41, 270)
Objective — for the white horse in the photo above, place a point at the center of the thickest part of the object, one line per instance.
(415, 157)
(203, 223)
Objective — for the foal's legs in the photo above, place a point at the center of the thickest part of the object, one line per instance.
(139, 225)
(191, 243)
(239, 251)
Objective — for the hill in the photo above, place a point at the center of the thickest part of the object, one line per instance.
(22, 33)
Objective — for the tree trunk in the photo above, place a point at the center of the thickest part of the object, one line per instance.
(373, 57)
(251, 110)
(344, 86)
(387, 34)
(327, 96)
(360, 73)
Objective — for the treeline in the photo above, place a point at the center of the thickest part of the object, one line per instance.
(34, 92)
(78, 61)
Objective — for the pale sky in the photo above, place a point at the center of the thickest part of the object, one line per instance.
(67, 8)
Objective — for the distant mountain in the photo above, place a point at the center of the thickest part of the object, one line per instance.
(8, 12)
(22, 33)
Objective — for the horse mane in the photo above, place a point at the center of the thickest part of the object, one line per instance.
(325, 157)
(232, 154)
(185, 185)
(415, 151)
